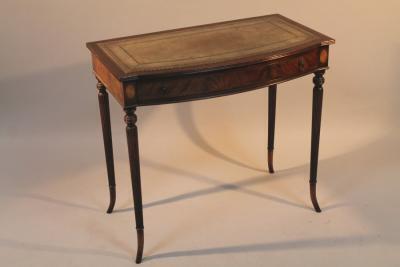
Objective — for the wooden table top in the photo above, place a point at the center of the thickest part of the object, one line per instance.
(200, 48)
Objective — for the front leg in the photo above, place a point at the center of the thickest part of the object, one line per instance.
(271, 125)
(133, 150)
(315, 133)
(106, 127)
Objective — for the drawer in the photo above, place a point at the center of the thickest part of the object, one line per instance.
(223, 82)
(295, 66)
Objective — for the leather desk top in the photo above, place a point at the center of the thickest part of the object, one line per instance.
(201, 48)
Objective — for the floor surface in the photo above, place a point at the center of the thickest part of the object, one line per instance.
(208, 200)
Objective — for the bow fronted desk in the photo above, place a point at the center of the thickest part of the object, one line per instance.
(203, 62)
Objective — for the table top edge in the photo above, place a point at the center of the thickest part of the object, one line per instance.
(323, 40)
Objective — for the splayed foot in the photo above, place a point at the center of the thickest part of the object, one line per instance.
(140, 239)
(313, 194)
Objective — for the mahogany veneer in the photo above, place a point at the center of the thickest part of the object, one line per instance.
(202, 62)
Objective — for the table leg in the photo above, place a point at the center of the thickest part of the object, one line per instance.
(133, 150)
(271, 125)
(315, 133)
(106, 126)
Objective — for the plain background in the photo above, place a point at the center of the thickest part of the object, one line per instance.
(207, 198)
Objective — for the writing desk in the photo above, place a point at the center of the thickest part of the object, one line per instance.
(203, 62)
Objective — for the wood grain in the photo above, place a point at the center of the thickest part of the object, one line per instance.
(212, 84)
(216, 46)
(113, 85)
(202, 62)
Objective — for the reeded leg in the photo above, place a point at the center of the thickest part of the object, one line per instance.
(106, 126)
(133, 149)
(271, 125)
(315, 133)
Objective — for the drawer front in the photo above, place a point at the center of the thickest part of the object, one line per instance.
(217, 83)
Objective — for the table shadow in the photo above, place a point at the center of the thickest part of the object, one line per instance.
(60, 249)
(51, 200)
(220, 187)
(328, 242)
(344, 175)
(184, 114)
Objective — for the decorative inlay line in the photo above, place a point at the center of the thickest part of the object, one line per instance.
(209, 45)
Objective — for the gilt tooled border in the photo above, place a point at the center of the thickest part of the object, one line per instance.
(208, 56)
(130, 69)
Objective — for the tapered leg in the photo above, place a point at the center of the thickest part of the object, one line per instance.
(315, 133)
(271, 125)
(106, 126)
(133, 149)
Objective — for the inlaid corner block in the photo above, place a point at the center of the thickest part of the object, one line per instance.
(202, 62)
